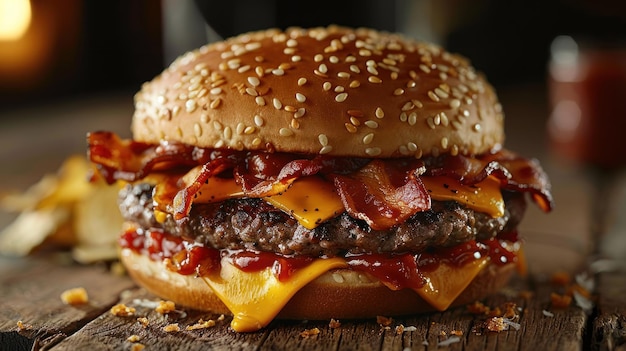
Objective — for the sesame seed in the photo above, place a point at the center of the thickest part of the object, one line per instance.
(411, 84)
(252, 91)
(341, 97)
(191, 105)
(372, 70)
(243, 69)
(327, 86)
(379, 113)
(259, 100)
(202, 92)
(365, 52)
(371, 124)
(455, 103)
(216, 91)
(320, 74)
(240, 128)
(355, 121)
(350, 128)
(254, 81)
(444, 119)
(398, 92)
(204, 118)
(278, 72)
(367, 139)
(318, 58)
(440, 93)
(430, 123)
(373, 151)
(374, 79)
(394, 75)
(290, 108)
(403, 150)
(333, 59)
(322, 68)
(433, 96)
(412, 118)
(403, 116)
(258, 120)
(411, 146)
(277, 104)
(215, 103)
(301, 81)
(228, 133)
(443, 76)
(465, 113)
(296, 58)
(343, 75)
(285, 132)
(300, 97)
(259, 71)
(355, 69)
(354, 84)
(456, 125)
(197, 129)
(350, 58)
(256, 141)
(161, 99)
(444, 143)
(301, 111)
(249, 130)
(291, 43)
(454, 150)
(326, 149)
(424, 68)
(323, 139)
(295, 124)
(437, 119)
(408, 106)
(476, 127)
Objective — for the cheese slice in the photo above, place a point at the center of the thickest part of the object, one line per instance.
(482, 197)
(446, 283)
(310, 200)
(255, 298)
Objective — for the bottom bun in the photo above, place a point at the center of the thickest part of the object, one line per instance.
(339, 293)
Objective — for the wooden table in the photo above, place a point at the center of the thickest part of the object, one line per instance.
(32, 315)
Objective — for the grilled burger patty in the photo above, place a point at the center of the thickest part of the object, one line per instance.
(256, 225)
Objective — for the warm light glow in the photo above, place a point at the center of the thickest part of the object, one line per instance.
(15, 16)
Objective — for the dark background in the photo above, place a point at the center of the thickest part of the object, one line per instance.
(94, 47)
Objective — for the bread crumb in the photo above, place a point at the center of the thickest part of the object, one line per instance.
(478, 308)
(495, 324)
(560, 301)
(309, 332)
(457, 332)
(122, 310)
(143, 321)
(137, 347)
(165, 307)
(133, 338)
(201, 324)
(170, 328)
(21, 326)
(334, 324)
(384, 321)
(75, 296)
(399, 329)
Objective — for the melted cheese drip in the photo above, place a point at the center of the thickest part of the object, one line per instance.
(255, 298)
(482, 197)
(446, 283)
(310, 200)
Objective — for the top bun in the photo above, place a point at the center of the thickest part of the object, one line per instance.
(333, 90)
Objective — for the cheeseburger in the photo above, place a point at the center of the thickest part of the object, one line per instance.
(319, 173)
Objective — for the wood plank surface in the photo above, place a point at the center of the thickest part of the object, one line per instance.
(52, 325)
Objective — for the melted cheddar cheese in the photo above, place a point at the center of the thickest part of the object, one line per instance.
(482, 197)
(255, 298)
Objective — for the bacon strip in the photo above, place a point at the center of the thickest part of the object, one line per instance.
(381, 192)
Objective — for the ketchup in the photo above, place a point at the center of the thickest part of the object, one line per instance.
(396, 271)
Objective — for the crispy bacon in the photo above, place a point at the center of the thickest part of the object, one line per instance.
(381, 192)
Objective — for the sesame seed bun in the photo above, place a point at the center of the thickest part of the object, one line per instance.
(339, 293)
(333, 90)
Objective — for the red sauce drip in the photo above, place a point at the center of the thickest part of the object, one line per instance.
(282, 267)
(396, 271)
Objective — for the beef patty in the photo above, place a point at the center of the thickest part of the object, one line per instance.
(256, 225)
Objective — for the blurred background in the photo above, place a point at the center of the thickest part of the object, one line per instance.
(70, 66)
